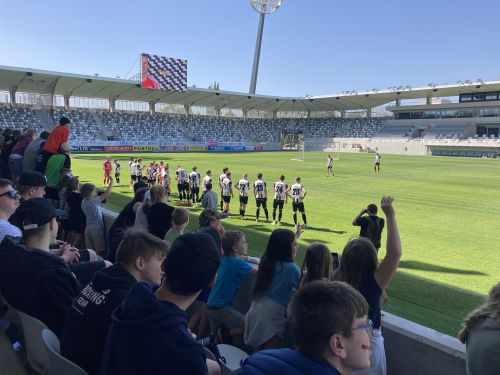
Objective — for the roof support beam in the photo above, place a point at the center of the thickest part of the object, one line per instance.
(12, 94)
(66, 101)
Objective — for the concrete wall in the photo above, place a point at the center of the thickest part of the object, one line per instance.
(386, 146)
(411, 348)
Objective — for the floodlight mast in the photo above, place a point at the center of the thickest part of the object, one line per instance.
(263, 7)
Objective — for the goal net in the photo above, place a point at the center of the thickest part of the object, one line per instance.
(309, 149)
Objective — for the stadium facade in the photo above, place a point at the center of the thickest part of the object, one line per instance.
(109, 114)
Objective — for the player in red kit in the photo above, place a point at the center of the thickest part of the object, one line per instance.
(106, 168)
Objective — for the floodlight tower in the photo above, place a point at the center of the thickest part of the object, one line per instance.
(263, 7)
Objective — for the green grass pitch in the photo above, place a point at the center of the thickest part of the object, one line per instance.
(447, 211)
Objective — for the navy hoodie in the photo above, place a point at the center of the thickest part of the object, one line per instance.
(149, 336)
(89, 319)
(284, 361)
(37, 283)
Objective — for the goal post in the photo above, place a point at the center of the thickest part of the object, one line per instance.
(307, 148)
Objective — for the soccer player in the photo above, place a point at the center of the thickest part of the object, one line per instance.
(260, 192)
(166, 178)
(329, 166)
(194, 182)
(139, 169)
(376, 166)
(244, 187)
(131, 168)
(207, 180)
(161, 173)
(280, 197)
(227, 192)
(117, 171)
(151, 173)
(182, 186)
(298, 195)
(106, 169)
(222, 177)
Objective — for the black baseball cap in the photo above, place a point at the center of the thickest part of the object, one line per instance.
(208, 215)
(35, 213)
(32, 178)
(191, 263)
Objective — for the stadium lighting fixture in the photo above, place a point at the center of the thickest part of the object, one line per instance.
(263, 7)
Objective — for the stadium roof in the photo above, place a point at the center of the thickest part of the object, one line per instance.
(64, 84)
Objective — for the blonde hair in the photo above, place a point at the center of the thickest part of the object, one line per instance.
(491, 309)
(317, 264)
(157, 193)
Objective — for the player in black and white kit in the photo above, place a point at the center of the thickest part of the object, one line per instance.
(260, 192)
(132, 180)
(182, 184)
(138, 169)
(227, 192)
(206, 180)
(376, 166)
(117, 171)
(133, 172)
(194, 182)
(280, 198)
(243, 186)
(222, 177)
(298, 195)
(329, 166)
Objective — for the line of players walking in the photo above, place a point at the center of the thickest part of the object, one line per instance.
(189, 184)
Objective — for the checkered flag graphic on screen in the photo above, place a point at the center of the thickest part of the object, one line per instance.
(165, 73)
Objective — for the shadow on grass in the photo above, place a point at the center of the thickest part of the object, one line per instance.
(416, 265)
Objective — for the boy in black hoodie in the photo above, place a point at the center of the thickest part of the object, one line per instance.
(139, 258)
(33, 280)
(149, 334)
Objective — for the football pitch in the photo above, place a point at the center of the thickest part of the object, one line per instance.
(448, 213)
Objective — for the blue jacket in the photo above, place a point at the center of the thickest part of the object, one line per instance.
(149, 336)
(284, 361)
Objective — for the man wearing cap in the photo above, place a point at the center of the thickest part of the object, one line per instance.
(9, 201)
(149, 333)
(33, 280)
(57, 137)
(57, 166)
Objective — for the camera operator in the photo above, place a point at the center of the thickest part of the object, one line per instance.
(371, 225)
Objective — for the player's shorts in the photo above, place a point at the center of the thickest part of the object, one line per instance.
(330, 167)
(226, 198)
(377, 163)
(195, 190)
(261, 201)
(181, 187)
(107, 173)
(133, 177)
(298, 206)
(244, 199)
(278, 203)
(117, 175)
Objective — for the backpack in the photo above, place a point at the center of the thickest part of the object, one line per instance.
(374, 231)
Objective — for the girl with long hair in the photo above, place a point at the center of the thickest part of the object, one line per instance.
(359, 267)
(277, 278)
(317, 264)
(481, 335)
(159, 214)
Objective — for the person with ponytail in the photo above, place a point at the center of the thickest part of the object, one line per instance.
(359, 267)
(277, 279)
(481, 336)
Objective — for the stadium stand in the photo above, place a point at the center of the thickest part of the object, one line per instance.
(90, 125)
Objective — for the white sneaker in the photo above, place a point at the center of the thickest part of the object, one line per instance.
(274, 223)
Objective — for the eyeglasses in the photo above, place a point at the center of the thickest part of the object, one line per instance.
(11, 193)
(368, 327)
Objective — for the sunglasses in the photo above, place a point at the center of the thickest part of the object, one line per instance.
(11, 193)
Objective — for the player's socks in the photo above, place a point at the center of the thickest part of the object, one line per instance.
(304, 219)
(221, 205)
(267, 214)
(274, 215)
(257, 213)
(295, 218)
(280, 214)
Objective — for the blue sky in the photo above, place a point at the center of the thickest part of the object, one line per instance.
(313, 47)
